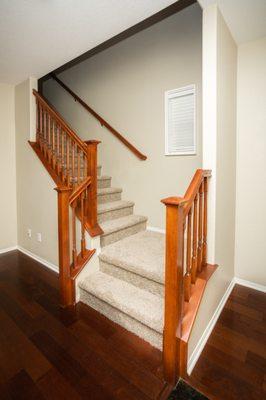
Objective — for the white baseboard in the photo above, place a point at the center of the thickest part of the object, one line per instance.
(205, 336)
(2, 251)
(46, 263)
(154, 229)
(250, 284)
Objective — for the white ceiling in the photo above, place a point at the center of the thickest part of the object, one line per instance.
(37, 36)
(245, 18)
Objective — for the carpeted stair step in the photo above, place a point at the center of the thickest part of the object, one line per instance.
(104, 182)
(120, 228)
(137, 259)
(114, 210)
(137, 310)
(107, 195)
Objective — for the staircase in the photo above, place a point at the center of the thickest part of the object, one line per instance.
(129, 286)
(149, 283)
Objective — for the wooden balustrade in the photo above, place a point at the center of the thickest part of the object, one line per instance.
(186, 242)
(72, 255)
(72, 164)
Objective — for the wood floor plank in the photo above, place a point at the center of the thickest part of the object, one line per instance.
(22, 387)
(17, 352)
(50, 353)
(53, 386)
(138, 375)
(232, 365)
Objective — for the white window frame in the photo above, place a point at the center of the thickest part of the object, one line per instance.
(190, 89)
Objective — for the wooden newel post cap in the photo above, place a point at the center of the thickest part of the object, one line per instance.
(95, 142)
(61, 189)
(174, 201)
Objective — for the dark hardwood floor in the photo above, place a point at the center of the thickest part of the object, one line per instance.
(47, 353)
(232, 365)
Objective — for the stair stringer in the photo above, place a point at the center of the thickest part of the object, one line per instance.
(92, 266)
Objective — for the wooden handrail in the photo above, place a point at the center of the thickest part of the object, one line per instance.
(102, 121)
(60, 120)
(185, 217)
(194, 187)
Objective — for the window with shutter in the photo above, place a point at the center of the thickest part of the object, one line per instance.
(180, 130)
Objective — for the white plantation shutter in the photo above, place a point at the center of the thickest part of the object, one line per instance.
(180, 121)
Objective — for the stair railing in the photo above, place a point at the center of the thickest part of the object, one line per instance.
(102, 121)
(186, 256)
(72, 164)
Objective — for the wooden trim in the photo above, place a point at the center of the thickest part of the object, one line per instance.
(146, 23)
(165, 392)
(102, 121)
(191, 307)
(81, 262)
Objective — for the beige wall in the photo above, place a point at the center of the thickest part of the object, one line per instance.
(126, 85)
(8, 212)
(251, 163)
(36, 199)
(222, 140)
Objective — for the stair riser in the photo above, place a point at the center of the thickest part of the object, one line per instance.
(104, 183)
(114, 214)
(121, 234)
(149, 335)
(108, 197)
(134, 279)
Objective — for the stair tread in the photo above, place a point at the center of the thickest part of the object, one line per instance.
(115, 225)
(108, 191)
(139, 304)
(142, 254)
(114, 205)
(103, 178)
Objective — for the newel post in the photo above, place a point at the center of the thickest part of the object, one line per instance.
(173, 288)
(65, 283)
(91, 206)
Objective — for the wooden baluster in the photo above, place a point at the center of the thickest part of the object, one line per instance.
(199, 261)
(85, 168)
(195, 241)
(41, 128)
(67, 160)
(58, 149)
(45, 133)
(67, 289)
(53, 143)
(83, 243)
(205, 223)
(173, 304)
(73, 164)
(74, 236)
(48, 137)
(78, 167)
(37, 121)
(63, 155)
(91, 206)
(188, 259)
